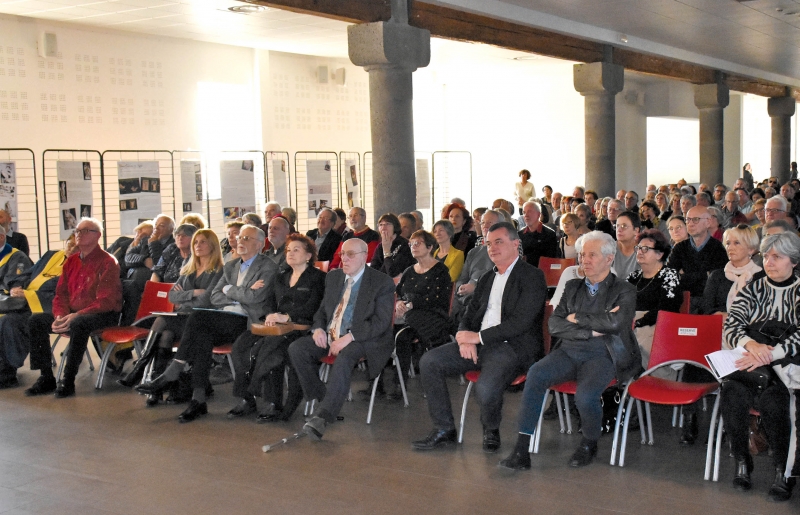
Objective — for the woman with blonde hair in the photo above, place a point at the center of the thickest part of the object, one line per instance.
(570, 226)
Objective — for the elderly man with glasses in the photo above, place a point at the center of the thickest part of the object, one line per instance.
(696, 256)
(88, 297)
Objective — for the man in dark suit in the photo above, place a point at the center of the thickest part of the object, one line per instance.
(353, 323)
(500, 335)
(16, 239)
(324, 237)
(609, 225)
(593, 321)
(240, 299)
(537, 239)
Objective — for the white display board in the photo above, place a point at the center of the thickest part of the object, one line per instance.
(423, 185)
(318, 173)
(74, 194)
(351, 175)
(191, 186)
(139, 193)
(8, 190)
(238, 188)
(281, 177)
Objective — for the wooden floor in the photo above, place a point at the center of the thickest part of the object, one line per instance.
(104, 452)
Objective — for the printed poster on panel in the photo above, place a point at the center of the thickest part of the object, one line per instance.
(351, 178)
(280, 176)
(238, 188)
(318, 172)
(192, 186)
(74, 194)
(139, 193)
(8, 190)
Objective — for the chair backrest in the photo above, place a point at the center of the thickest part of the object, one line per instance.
(688, 337)
(452, 298)
(548, 310)
(154, 298)
(686, 304)
(553, 268)
(322, 265)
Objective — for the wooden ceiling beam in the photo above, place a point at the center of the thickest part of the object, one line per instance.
(449, 23)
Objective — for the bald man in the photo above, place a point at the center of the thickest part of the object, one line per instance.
(537, 239)
(698, 255)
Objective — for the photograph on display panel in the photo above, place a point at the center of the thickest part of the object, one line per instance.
(318, 172)
(8, 191)
(191, 186)
(139, 193)
(74, 194)
(281, 181)
(238, 191)
(351, 180)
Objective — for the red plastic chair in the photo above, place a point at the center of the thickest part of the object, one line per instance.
(225, 350)
(473, 375)
(322, 265)
(154, 299)
(678, 338)
(553, 268)
(686, 304)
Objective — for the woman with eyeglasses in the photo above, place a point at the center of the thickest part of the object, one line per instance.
(570, 227)
(762, 322)
(445, 253)
(741, 243)
(657, 287)
(423, 302)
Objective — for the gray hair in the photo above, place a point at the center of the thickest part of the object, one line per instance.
(418, 214)
(251, 218)
(98, 225)
(272, 203)
(785, 243)
(716, 213)
(260, 236)
(186, 230)
(334, 216)
(446, 225)
(690, 198)
(536, 204)
(169, 219)
(608, 247)
(616, 201)
(777, 198)
(459, 201)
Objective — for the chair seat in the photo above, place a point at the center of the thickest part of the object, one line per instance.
(223, 349)
(123, 334)
(570, 387)
(473, 375)
(664, 391)
(327, 359)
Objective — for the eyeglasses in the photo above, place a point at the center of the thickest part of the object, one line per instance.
(644, 249)
(245, 238)
(742, 227)
(84, 231)
(350, 254)
(696, 219)
(624, 226)
(773, 211)
(414, 244)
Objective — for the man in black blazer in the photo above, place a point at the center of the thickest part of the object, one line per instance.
(324, 237)
(500, 335)
(16, 239)
(353, 323)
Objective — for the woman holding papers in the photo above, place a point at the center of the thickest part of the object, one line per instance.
(763, 321)
(192, 290)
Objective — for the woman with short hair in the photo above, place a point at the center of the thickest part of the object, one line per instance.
(741, 243)
(452, 258)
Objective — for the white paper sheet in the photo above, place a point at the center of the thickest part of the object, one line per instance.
(723, 362)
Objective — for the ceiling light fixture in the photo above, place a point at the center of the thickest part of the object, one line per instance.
(526, 58)
(247, 9)
(623, 38)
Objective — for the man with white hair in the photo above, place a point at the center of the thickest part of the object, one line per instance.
(15, 239)
(593, 321)
(88, 297)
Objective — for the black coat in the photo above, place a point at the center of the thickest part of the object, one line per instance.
(328, 247)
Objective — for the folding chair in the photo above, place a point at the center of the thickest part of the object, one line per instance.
(678, 338)
(154, 299)
(322, 265)
(553, 268)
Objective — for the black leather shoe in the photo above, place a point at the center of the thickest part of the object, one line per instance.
(491, 440)
(436, 438)
(517, 461)
(195, 410)
(584, 454)
(157, 385)
(9, 382)
(690, 430)
(42, 386)
(269, 414)
(64, 390)
(244, 408)
(152, 400)
(315, 428)
(741, 478)
(781, 489)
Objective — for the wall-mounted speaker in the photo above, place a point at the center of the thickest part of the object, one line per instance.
(322, 74)
(339, 77)
(47, 45)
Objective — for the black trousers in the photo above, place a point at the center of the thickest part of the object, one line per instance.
(203, 331)
(773, 404)
(80, 328)
(259, 362)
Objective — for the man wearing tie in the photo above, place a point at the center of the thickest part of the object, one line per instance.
(353, 323)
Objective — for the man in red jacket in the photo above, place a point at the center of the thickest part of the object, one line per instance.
(88, 297)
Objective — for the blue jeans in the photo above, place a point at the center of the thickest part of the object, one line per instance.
(588, 363)
(499, 366)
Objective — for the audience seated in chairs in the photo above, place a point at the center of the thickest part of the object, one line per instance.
(393, 255)
(361, 231)
(763, 320)
(593, 321)
(325, 237)
(140, 259)
(354, 322)
(423, 304)
(240, 300)
(500, 335)
(445, 253)
(259, 361)
(232, 232)
(536, 239)
(279, 229)
(192, 289)
(88, 297)
(34, 289)
(476, 264)
(168, 268)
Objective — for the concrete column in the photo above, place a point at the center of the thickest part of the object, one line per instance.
(390, 52)
(711, 99)
(781, 110)
(599, 83)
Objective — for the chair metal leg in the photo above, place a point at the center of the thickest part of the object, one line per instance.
(464, 412)
(566, 413)
(402, 381)
(711, 431)
(717, 446)
(233, 370)
(110, 348)
(617, 425)
(625, 435)
(538, 435)
(372, 397)
(642, 421)
(650, 439)
(557, 399)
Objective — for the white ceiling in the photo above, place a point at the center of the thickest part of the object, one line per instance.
(751, 37)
